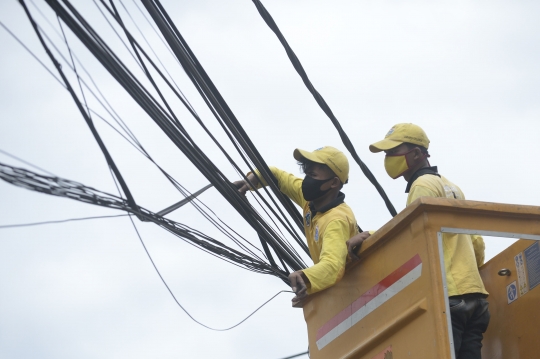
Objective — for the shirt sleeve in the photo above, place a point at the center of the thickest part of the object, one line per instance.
(331, 266)
(420, 191)
(288, 184)
(479, 248)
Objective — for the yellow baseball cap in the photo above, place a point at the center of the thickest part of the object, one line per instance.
(400, 133)
(330, 156)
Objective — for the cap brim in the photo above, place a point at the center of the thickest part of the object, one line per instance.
(299, 155)
(384, 145)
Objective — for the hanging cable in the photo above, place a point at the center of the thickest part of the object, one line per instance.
(134, 43)
(177, 133)
(88, 120)
(322, 103)
(69, 189)
(58, 221)
(169, 289)
(182, 307)
(35, 57)
(296, 355)
(25, 162)
(219, 108)
(223, 227)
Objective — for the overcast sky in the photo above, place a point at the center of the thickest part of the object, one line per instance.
(467, 72)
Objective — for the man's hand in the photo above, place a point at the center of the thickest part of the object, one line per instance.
(298, 284)
(354, 244)
(243, 186)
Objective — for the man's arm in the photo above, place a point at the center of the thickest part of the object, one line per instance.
(333, 257)
(288, 184)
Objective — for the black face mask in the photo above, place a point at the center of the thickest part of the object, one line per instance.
(311, 188)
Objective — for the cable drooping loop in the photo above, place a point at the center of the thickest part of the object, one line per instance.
(180, 305)
(322, 103)
(184, 309)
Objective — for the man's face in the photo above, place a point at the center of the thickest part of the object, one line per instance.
(413, 156)
(318, 171)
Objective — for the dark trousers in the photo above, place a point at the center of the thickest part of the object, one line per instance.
(470, 319)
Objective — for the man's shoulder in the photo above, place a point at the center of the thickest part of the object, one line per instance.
(428, 180)
(344, 208)
(426, 185)
(441, 185)
(342, 212)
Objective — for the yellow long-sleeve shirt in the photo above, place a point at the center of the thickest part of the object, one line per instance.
(326, 234)
(463, 254)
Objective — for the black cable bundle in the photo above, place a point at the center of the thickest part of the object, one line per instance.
(62, 187)
(272, 243)
(171, 126)
(228, 122)
(218, 106)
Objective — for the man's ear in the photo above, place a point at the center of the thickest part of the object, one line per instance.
(417, 153)
(335, 182)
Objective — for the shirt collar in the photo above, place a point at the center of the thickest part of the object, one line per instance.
(422, 171)
(335, 202)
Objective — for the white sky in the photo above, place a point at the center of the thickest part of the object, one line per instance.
(467, 72)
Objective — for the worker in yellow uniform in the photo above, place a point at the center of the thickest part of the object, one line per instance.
(406, 147)
(328, 221)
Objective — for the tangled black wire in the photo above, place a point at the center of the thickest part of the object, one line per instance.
(62, 187)
(272, 242)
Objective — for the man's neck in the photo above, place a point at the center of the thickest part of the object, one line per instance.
(407, 175)
(324, 200)
(431, 170)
